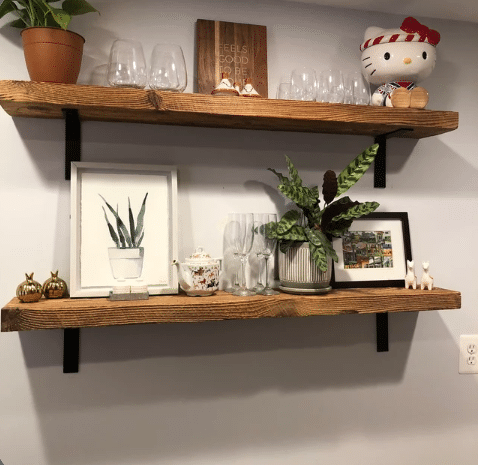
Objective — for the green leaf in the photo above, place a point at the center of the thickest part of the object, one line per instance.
(356, 169)
(140, 217)
(111, 229)
(285, 245)
(312, 237)
(61, 17)
(318, 239)
(295, 233)
(302, 196)
(288, 220)
(319, 256)
(18, 23)
(78, 7)
(295, 178)
(7, 6)
(141, 239)
(131, 223)
(283, 179)
(357, 211)
(120, 225)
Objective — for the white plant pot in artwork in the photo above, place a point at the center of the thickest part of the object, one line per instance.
(299, 274)
(126, 263)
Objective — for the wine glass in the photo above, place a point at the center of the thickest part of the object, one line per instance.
(361, 91)
(257, 251)
(267, 248)
(126, 66)
(228, 241)
(284, 91)
(242, 229)
(335, 86)
(304, 84)
(167, 68)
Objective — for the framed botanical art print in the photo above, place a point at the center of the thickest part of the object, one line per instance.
(373, 252)
(117, 208)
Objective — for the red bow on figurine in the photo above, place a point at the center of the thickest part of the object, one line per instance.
(411, 25)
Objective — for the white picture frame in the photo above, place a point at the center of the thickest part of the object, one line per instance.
(90, 273)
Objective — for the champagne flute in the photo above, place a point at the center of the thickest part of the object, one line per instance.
(228, 241)
(242, 228)
(267, 248)
(257, 249)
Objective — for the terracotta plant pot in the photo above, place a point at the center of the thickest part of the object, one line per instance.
(52, 54)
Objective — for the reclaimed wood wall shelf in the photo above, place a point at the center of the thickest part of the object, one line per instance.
(87, 313)
(95, 103)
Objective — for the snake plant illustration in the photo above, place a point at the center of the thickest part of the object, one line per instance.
(126, 238)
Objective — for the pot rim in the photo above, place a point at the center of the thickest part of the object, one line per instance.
(50, 27)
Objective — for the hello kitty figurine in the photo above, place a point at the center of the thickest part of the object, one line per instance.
(410, 278)
(396, 59)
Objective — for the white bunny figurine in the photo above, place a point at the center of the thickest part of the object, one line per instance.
(427, 280)
(410, 279)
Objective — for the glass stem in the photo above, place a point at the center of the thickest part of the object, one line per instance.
(267, 285)
(259, 281)
(244, 278)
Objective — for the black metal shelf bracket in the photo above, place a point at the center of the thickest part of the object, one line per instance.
(71, 350)
(380, 164)
(73, 143)
(382, 332)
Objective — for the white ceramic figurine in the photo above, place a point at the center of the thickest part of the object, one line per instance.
(427, 280)
(396, 59)
(410, 279)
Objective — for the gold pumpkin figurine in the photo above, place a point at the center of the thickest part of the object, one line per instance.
(54, 287)
(30, 290)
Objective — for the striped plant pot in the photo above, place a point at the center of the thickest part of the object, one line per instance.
(297, 271)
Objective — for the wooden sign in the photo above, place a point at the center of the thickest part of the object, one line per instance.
(237, 49)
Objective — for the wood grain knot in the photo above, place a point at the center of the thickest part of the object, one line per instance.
(154, 99)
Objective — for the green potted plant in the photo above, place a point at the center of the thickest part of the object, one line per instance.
(126, 258)
(305, 234)
(52, 54)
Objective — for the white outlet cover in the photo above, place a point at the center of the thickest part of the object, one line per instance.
(469, 356)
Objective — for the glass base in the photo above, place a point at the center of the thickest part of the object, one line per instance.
(244, 293)
(269, 291)
(259, 287)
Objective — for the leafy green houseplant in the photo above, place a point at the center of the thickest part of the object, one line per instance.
(52, 53)
(126, 238)
(317, 224)
(43, 13)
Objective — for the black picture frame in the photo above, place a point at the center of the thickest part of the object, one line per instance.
(342, 278)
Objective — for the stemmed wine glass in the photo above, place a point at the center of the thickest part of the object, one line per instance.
(242, 229)
(257, 250)
(228, 241)
(267, 248)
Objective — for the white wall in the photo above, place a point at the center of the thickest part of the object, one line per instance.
(305, 391)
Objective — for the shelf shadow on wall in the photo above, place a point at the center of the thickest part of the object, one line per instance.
(251, 355)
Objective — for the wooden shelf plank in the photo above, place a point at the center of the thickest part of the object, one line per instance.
(81, 313)
(95, 103)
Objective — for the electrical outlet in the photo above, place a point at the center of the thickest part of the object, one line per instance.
(468, 359)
